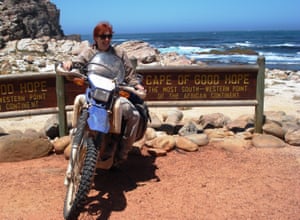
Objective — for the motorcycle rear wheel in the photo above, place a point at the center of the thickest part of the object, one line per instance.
(83, 171)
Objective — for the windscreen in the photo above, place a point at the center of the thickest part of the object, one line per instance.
(107, 65)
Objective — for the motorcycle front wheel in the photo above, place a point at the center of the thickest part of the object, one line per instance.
(81, 175)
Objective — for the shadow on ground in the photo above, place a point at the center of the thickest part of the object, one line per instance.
(108, 193)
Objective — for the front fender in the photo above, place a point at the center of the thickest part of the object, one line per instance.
(98, 119)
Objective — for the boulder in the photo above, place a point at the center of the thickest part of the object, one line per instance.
(23, 147)
(186, 144)
(293, 137)
(241, 123)
(199, 139)
(150, 134)
(273, 128)
(276, 116)
(214, 120)
(174, 59)
(233, 145)
(218, 133)
(267, 141)
(140, 50)
(67, 151)
(165, 142)
(190, 128)
(33, 133)
(171, 121)
(61, 143)
(155, 121)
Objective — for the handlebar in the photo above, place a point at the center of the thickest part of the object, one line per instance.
(69, 73)
(76, 74)
(140, 93)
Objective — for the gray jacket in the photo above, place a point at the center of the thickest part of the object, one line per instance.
(130, 75)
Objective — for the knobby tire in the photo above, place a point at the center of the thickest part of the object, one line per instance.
(75, 201)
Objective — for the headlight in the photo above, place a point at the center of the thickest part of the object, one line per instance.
(101, 95)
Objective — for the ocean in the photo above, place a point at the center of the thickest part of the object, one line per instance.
(280, 48)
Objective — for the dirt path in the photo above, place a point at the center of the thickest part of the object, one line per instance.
(208, 184)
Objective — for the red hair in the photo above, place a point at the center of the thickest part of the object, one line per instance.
(102, 28)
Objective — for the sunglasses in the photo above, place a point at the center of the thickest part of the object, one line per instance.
(104, 36)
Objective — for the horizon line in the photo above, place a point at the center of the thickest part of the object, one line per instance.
(212, 31)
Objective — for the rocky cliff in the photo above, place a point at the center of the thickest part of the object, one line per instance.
(28, 19)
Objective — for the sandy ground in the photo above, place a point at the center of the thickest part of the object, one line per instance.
(207, 184)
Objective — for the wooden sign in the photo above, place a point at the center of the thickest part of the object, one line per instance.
(214, 84)
(34, 91)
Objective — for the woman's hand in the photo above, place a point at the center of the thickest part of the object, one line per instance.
(141, 90)
(67, 65)
(139, 87)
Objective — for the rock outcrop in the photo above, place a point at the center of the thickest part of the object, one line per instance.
(41, 54)
(28, 19)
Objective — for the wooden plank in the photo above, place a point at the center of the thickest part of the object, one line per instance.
(201, 103)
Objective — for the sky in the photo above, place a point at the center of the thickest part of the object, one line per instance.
(139, 16)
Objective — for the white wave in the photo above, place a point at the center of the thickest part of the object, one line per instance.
(271, 57)
(281, 57)
(257, 45)
(284, 45)
(286, 63)
(183, 50)
(244, 44)
(225, 58)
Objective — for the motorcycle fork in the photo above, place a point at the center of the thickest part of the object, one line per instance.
(74, 154)
(71, 164)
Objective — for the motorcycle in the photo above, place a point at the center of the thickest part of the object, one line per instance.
(97, 124)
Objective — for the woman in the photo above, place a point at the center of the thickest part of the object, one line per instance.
(102, 34)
